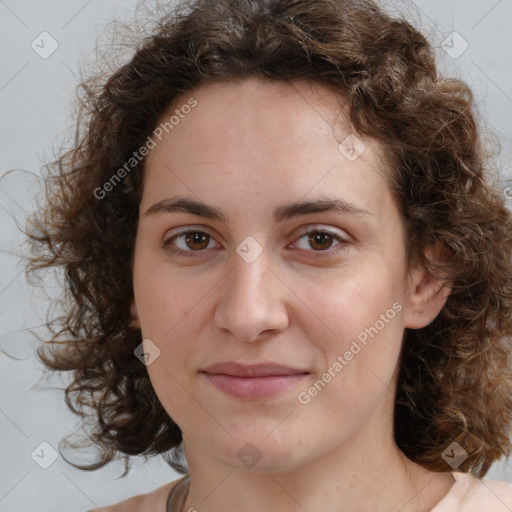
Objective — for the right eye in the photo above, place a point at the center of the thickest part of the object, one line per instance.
(187, 242)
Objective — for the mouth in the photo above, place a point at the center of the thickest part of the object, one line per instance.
(253, 382)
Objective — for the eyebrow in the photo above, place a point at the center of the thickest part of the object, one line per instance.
(283, 212)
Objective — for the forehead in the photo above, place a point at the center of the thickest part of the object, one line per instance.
(269, 138)
(254, 110)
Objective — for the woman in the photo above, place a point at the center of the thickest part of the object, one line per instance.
(283, 258)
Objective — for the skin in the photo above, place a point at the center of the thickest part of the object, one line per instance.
(247, 148)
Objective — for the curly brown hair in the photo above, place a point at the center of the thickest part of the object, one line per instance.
(455, 380)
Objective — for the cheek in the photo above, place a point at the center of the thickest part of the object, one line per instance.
(358, 327)
(355, 302)
(172, 308)
(165, 298)
(170, 318)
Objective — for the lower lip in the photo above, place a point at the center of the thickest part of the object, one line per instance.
(254, 388)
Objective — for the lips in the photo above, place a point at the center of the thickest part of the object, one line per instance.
(253, 382)
(256, 370)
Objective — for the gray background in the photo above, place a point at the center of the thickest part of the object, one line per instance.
(35, 99)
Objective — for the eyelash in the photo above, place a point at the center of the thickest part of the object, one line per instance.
(167, 243)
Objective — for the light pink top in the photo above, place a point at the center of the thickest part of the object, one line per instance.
(468, 494)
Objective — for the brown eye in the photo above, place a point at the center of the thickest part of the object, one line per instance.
(197, 240)
(190, 242)
(320, 240)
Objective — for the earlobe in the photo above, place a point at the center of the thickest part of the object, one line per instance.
(134, 323)
(427, 294)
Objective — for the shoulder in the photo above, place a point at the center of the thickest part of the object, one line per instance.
(471, 494)
(154, 501)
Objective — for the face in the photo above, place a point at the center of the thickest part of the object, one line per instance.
(262, 239)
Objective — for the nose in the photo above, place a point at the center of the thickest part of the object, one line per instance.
(252, 301)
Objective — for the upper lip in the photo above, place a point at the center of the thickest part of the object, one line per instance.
(254, 370)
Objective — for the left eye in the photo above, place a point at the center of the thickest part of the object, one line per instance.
(320, 240)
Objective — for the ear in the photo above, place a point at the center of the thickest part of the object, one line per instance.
(135, 323)
(426, 295)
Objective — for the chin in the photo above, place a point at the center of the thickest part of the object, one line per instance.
(261, 452)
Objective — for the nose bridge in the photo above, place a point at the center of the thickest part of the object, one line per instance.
(251, 302)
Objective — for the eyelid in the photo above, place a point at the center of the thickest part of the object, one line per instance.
(189, 228)
(324, 229)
